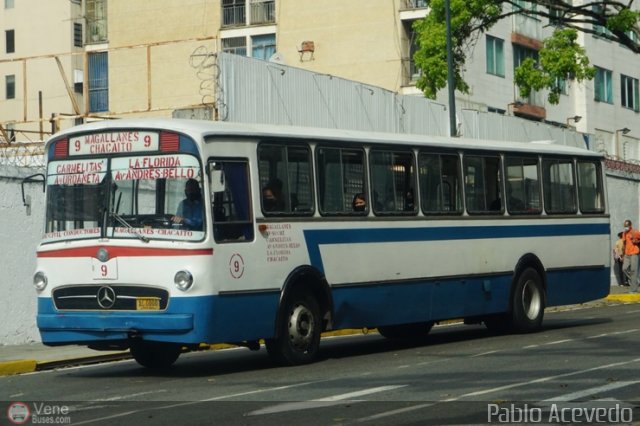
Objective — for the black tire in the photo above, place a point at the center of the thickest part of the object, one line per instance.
(406, 331)
(298, 331)
(528, 302)
(155, 355)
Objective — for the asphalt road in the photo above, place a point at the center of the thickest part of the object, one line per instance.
(583, 367)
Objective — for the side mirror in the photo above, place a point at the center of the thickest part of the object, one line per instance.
(26, 199)
(216, 178)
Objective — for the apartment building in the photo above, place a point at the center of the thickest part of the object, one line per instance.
(41, 67)
(155, 57)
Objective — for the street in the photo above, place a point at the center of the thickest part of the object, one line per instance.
(582, 367)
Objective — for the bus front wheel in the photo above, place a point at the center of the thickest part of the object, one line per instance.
(155, 355)
(298, 331)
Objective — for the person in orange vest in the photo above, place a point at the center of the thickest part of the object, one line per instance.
(631, 250)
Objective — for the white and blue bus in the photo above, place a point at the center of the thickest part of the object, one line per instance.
(293, 232)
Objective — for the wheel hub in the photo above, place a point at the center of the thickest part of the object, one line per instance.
(301, 327)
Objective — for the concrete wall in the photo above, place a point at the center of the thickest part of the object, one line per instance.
(21, 234)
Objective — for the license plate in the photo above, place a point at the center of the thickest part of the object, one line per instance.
(148, 304)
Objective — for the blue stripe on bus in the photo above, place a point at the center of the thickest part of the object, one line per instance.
(315, 238)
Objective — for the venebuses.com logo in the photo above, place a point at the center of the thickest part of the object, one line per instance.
(19, 413)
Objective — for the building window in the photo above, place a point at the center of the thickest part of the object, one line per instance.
(603, 86)
(98, 82)
(263, 11)
(263, 47)
(629, 92)
(235, 45)
(233, 12)
(495, 56)
(96, 15)
(411, 47)
(78, 79)
(77, 35)
(8, 4)
(520, 53)
(599, 29)
(555, 16)
(561, 85)
(10, 41)
(10, 86)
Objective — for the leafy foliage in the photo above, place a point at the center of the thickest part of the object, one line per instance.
(561, 58)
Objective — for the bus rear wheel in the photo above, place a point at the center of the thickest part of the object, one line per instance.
(528, 302)
(527, 306)
(298, 331)
(406, 331)
(155, 355)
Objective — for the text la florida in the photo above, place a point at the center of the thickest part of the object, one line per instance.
(153, 162)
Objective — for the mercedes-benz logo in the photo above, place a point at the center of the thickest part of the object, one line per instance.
(102, 255)
(106, 297)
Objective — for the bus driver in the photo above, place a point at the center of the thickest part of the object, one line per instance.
(189, 213)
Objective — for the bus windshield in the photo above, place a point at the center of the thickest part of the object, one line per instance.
(143, 196)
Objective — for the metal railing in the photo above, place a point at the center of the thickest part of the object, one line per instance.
(414, 4)
(233, 15)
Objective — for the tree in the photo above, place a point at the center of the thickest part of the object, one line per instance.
(560, 59)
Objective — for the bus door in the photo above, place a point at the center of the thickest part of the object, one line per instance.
(230, 200)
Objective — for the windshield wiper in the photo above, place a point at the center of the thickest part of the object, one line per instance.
(119, 218)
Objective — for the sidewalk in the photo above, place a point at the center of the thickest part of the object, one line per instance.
(30, 357)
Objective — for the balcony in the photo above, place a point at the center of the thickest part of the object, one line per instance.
(527, 26)
(531, 107)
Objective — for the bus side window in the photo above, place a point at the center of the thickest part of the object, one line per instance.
(340, 179)
(440, 189)
(230, 197)
(285, 179)
(590, 187)
(483, 184)
(523, 185)
(392, 182)
(559, 186)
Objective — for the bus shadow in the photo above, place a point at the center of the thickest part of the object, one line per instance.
(240, 360)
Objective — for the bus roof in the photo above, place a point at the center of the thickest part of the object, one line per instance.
(202, 129)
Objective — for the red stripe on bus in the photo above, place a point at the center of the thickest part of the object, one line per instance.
(125, 252)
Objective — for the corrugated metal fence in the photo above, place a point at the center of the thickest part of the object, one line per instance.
(256, 91)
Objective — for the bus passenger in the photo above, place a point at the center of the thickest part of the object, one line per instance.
(359, 202)
(189, 213)
(409, 201)
(272, 199)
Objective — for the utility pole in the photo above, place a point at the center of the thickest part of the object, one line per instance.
(450, 77)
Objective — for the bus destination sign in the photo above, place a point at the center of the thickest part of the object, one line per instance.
(122, 141)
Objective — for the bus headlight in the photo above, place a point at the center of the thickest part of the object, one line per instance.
(183, 280)
(39, 280)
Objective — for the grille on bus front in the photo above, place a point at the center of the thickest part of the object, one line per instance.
(106, 297)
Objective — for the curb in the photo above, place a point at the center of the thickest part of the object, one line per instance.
(624, 297)
(9, 368)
